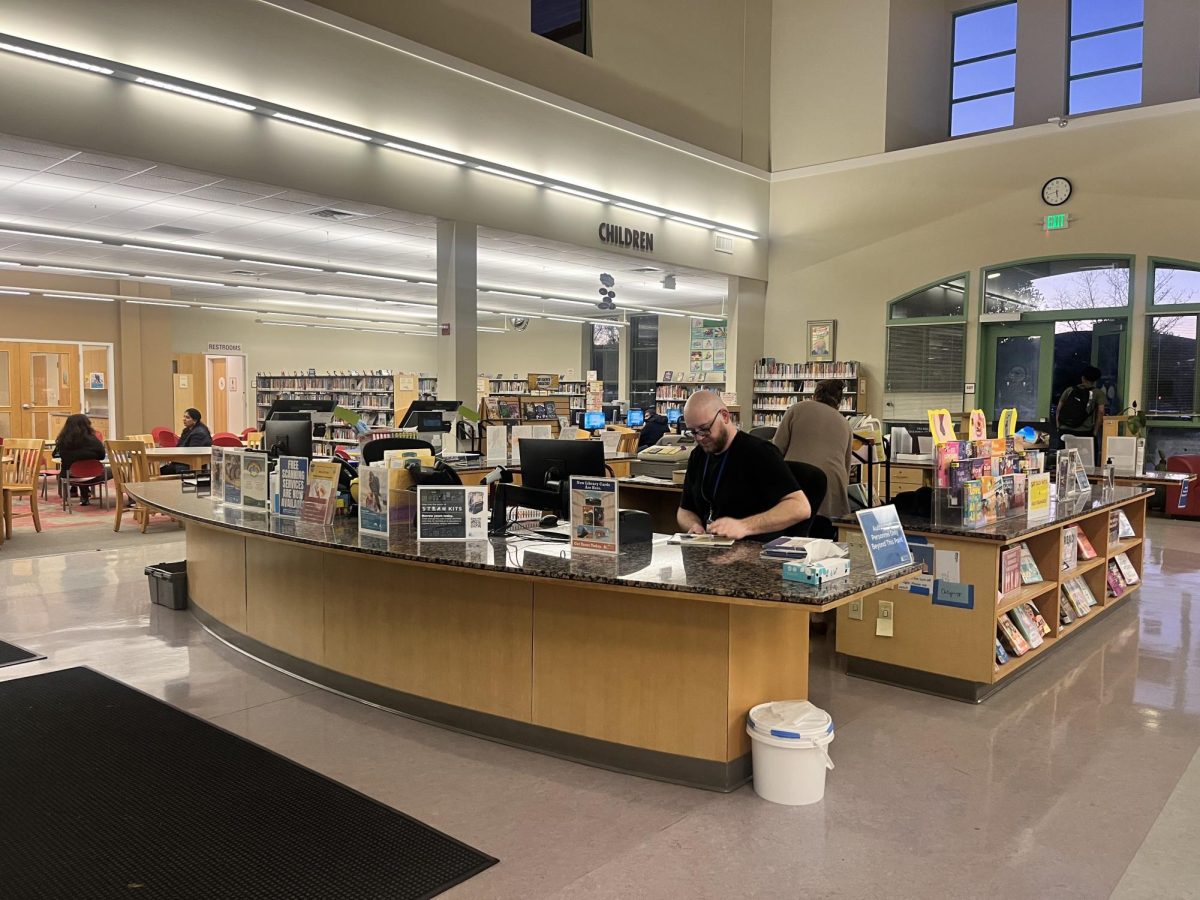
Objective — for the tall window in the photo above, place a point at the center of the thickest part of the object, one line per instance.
(643, 361)
(606, 358)
(926, 343)
(1105, 55)
(562, 21)
(984, 71)
(1171, 386)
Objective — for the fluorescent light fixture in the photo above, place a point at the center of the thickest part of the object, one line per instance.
(84, 271)
(8, 293)
(566, 319)
(737, 233)
(56, 237)
(441, 157)
(78, 297)
(563, 189)
(993, 275)
(61, 60)
(369, 275)
(284, 324)
(599, 322)
(513, 175)
(641, 209)
(199, 95)
(4, 262)
(159, 303)
(171, 250)
(489, 330)
(267, 262)
(272, 290)
(216, 284)
(665, 312)
(320, 126)
(686, 221)
(226, 309)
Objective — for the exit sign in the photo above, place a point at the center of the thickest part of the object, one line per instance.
(1056, 222)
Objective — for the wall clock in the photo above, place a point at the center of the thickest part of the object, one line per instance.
(1056, 191)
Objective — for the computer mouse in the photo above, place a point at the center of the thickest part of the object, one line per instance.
(548, 521)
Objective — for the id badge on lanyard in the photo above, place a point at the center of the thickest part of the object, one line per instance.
(712, 503)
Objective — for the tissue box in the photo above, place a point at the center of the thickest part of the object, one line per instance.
(819, 572)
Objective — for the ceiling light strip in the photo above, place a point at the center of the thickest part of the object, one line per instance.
(256, 106)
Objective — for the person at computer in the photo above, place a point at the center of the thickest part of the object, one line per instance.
(653, 428)
(737, 486)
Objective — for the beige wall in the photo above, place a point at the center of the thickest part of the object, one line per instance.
(846, 242)
(262, 50)
(693, 69)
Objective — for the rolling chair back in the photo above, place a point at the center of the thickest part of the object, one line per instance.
(372, 451)
(814, 482)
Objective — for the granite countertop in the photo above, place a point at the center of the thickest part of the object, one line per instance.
(1017, 527)
(733, 572)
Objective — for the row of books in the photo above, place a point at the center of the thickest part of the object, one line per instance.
(1119, 527)
(782, 403)
(1121, 575)
(791, 386)
(378, 400)
(959, 461)
(768, 367)
(679, 392)
(340, 381)
(990, 499)
(1020, 630)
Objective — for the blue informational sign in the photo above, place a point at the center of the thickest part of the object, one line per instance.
(954, 593)
(293, 482)
(885, 538)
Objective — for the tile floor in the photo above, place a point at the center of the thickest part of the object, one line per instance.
(1078, 780)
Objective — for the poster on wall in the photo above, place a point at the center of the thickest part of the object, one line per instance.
(707, 346)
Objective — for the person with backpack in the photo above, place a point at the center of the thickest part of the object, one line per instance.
(1080, 409)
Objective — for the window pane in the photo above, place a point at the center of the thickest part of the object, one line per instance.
(981, 115)
(984, 77)
(986, 31)
(945, 299)
(563, 21)
(1018, 364)
(1095, 15)
(1060, 284)
(1106, 91)
(925, 358)
(1171, 364)
(1172, 284)
(1084, 342)
(1106, 51)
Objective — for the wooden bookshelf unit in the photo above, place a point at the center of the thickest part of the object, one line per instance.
(951, 650)
(778, 385)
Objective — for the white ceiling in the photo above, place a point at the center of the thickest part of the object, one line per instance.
(55, 189)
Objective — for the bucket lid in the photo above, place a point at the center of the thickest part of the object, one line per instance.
(797, 719)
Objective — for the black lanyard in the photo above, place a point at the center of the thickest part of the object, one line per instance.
(716, 485)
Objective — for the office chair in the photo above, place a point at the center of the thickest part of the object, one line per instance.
(814, 482)
(766, 432)
(372, 451)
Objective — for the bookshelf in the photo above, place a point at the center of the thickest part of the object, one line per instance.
(950, 650)
(673, 394)
(427, 386)
(778, 385)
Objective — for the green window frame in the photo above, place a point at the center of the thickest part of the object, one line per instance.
(1159, 308)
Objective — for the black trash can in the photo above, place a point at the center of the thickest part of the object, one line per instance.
(168, 584)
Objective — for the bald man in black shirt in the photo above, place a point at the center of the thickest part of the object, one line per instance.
(736, 486)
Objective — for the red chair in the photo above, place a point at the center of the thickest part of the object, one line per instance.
(85, 473)
(246, 431)
(164, 437)
(226, 439)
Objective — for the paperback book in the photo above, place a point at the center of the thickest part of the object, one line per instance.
(1070, 596)
(320, 497)
(1025, 623)
(233, 477)
(974, 514)
(1114, 527)
(255, 480)
(1010, 570)
(1116, 584)
(1066, 610)
(1086, 550)
(1011, 637)
(1030, 574)
(1034, 613)
(1070, 550)
(702, 540)
(1128, 572)
(1124, 529)
(1001, 655)
(216, 472)
(786, 548)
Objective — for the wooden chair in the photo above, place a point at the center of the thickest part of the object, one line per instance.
(628, 443)
(21, 477)
(253, 439)
(128, 462)
(147, 439)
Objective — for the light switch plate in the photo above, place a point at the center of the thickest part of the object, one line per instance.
(855, 610)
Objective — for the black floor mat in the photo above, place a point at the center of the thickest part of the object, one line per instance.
(106, 792)
(11, 654)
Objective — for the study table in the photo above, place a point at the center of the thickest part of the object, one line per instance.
(645, 662)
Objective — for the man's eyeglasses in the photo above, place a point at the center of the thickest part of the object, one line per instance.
(703, 430)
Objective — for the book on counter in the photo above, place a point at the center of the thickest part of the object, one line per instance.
(1124, 529)
(1030, 574)
(1031, 608)
(1128, 572)
(700, 540)
(1070, 549)
(1012, 638)
(1086, 550)
(1116, 584)
(233, 477)
(320, 496)
(974, 514)
(1010, 570)
(786, 548)
(1029, 628)
(1066, 609)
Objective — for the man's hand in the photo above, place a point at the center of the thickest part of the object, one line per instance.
(697, 528)
(729, 528)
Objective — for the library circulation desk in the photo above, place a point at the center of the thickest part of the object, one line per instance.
(950, 650)
(646, 662)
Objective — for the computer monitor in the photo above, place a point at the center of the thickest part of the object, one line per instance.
(320, 411)
(288, 437)
(412, 416)
(636, 418)
(612, 412)
(547, 463)
(430, 421)
(593, 420)
(674, 415)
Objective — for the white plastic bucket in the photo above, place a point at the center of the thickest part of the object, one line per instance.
(788, 741)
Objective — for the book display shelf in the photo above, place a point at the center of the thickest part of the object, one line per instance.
(375, 396)
(777, 385)
(947, 644)
(672, 393)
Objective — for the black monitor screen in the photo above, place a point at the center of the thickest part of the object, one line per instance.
(425, 406)
(288, 438)
(559, 460)
(320, 411)
(429, 421)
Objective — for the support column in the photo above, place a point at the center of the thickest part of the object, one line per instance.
(744, 342)
(457, 290)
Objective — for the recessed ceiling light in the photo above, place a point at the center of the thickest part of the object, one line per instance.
(686, 221)
(574, 192)
(54, 58)
(78, 297)
(738, 233)
(641, 209)
(215, 284)
(513, 175)
(9, 293)
(158, 303)
(54, 237)
(441, 157)
(320, 126)
(74, 270)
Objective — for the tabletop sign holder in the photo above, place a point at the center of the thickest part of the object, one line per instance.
(457, 513)
(594, 515)
(884, 535)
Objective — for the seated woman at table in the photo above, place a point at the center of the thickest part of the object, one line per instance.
(195, 434)
(77, 441)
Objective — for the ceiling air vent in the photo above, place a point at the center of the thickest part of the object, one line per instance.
(334, 215)
(175, 230)
(246, 273)
(645, 270)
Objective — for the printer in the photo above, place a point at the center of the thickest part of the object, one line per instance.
(660, 461)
